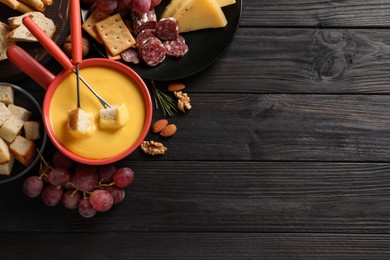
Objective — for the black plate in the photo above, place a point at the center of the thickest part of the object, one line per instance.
(24, 99)
(205, 47)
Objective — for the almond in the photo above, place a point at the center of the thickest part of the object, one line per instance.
(169, 130)
(159, 125)
(173, 87)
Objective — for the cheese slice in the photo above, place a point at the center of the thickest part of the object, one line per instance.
(223, 3)
(201, 14)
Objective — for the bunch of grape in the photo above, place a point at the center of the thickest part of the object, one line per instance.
(110, 6)
(90, 189)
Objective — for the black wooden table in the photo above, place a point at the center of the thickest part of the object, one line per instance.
(285, 153)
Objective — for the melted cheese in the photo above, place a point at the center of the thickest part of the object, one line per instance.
(115, 88)
(201, 14)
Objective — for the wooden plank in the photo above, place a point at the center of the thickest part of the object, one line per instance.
(185, 196)
(193, 246)
(319, 13)
(287, 60)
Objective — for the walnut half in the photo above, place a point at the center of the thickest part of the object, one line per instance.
(183, 101)
(153, 148)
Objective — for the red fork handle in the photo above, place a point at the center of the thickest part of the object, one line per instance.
(30, 66)
(48, 43)
(75, 31)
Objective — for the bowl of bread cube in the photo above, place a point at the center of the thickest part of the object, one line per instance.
(22, 135)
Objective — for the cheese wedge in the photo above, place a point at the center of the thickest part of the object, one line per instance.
(174, 7)
(200, 14)
(223, 3)
(113, 117)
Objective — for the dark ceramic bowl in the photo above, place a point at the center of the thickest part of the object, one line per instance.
(24, 99)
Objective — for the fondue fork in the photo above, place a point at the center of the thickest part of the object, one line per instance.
(57, 53)
(75, 32)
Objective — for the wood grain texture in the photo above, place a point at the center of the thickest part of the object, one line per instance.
(318, 13)
(195, 246)
(289, 60)
(349, 198)
(280, 127)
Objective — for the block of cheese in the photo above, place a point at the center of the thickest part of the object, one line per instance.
(174, 7)
(223, 3)
(201, 14)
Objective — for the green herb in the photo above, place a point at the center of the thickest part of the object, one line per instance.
(163, 100)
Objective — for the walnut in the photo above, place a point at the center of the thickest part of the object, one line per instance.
(153, 148)
(183, 101)
(67, 46)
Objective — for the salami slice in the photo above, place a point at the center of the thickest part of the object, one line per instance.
(176, 47)
(130, 55)
(153, 51)
(144, 21)
(143, 36)
(167, 28)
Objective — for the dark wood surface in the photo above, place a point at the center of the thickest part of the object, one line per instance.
(285, 154)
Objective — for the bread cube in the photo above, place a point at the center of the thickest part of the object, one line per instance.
(80, 123)
(6, 168)
(19, 112)
(32, 130)
(4, 152)
(11, 128)
(6, 94)
(4, 113)
(113, 117)
(23, 150)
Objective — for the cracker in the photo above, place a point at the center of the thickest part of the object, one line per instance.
(89, 25)
(115, 34)
(110, 57)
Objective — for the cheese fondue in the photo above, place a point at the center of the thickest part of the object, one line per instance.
(114, 87)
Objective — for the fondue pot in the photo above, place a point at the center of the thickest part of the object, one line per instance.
(50, 82)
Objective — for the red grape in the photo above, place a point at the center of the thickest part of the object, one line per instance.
(101, 200)
(86, 178)
(106, 6)
(85, 208)
(123, 177)
(141, 6)
(124, 4)
(106, 172)
(71, 199)
(61, 161)
(32, 186)
(51, 195)
(154, 3)
(58, 177)
(118, 194)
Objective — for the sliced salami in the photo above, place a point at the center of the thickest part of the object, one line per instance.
(143, 36)
(167, 28)
(153, 51)
(176, 47)
(144, 21)
(130, 55)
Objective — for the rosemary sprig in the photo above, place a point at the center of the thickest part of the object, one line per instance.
(163, 100)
